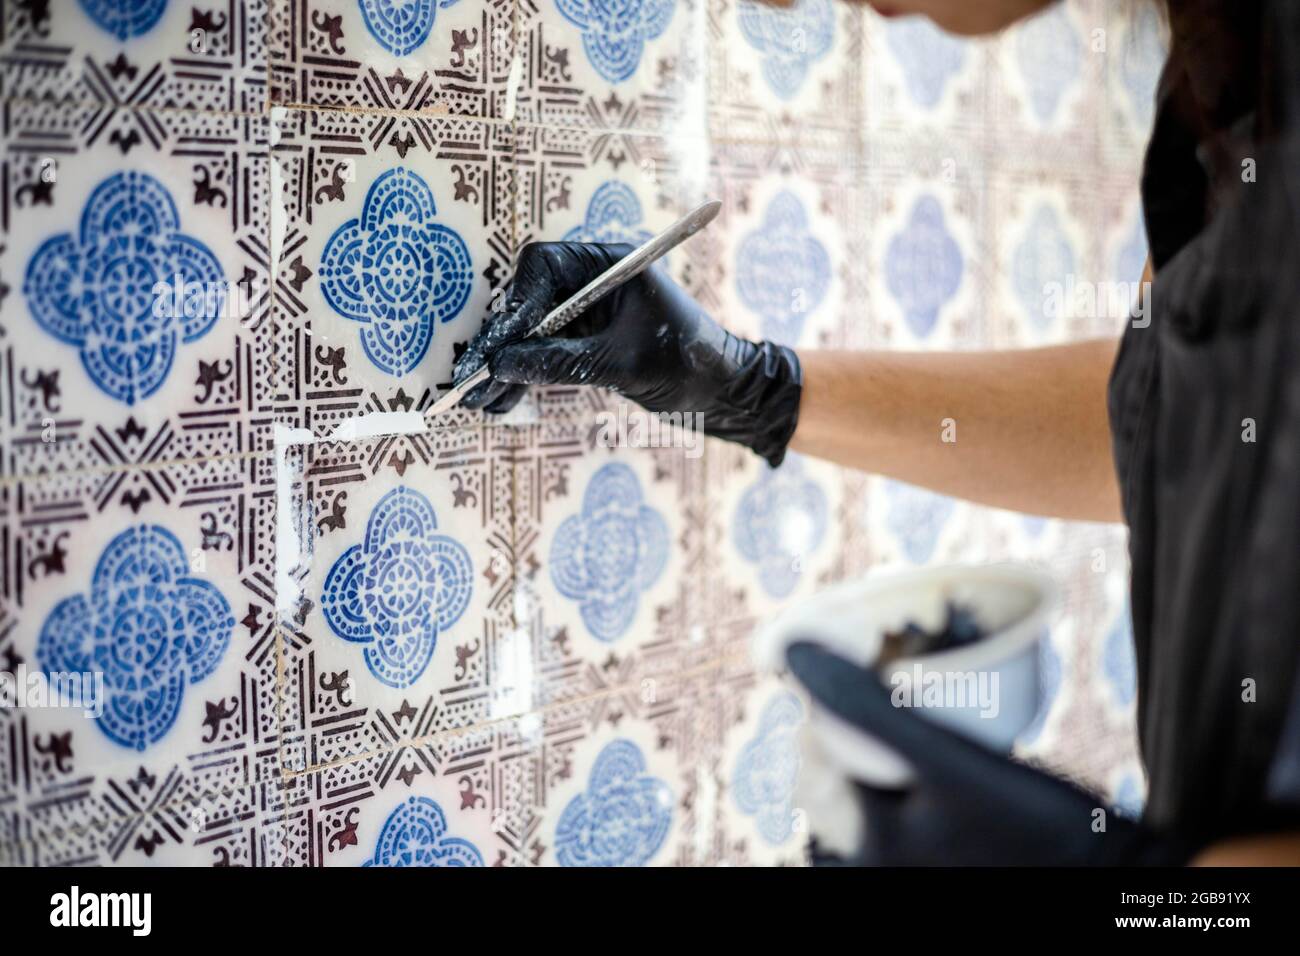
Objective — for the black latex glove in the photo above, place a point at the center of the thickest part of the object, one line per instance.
(967, 805)
(647, 340)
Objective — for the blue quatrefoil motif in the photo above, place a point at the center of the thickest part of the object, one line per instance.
(147, 626)
(99, 290)
(780, 521)
(917, 517)
(923, 266)
(399, 589)
(610, 552)
(782, 271)
(768, 769)
(396, 271)
(790, 39)
(613, 215)
(415, 834)
(401, 26)
(1041, 267)
(623, 817)
(615, 32)
(928, 56)
(125, 18)
(1050, 54)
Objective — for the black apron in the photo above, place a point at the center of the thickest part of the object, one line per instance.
(1214, 516)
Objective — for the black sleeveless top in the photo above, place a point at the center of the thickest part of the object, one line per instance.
(1205, 415)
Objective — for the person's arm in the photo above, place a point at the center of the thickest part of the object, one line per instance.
(1025, 430)
(1274, 849)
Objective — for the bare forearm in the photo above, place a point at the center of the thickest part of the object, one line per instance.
(1278, 849)
(1025, 430)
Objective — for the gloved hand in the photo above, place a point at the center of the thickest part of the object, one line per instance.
(968, 805)
(647, 340)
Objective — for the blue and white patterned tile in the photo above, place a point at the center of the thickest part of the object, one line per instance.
(159, 54)
(620, 781)
(926, 269)
(398, 613)
(775, 535)
(912, 526)
(1046, 79)
(797, 64)
(419, 56)
(638, 65)
(158, 584)
(576, 184)
(760, 759)
(919, 79)
(1046, 253)
(609, 554)
(110, 360)
(459, 799)
(397, 231)
(786, 251)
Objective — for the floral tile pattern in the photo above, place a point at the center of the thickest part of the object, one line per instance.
(135, 262)
(159, 584)
(329, 633)
(401, 619)
(608, 553)
(397, 231)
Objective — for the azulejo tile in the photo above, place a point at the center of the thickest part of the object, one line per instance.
(620, 783)
(149, 593)
(588, 64)
(458, 799)
(135, 284)
(915, 526)
(608, 548)
(402, 624)
(427, 56)
(758, 765)
(158, 54)
(776, 531)
(927, 256)
(918, 77)
(801, 60)
(788, 247)
(1044, 78)
(1050, 283)
(397, 232)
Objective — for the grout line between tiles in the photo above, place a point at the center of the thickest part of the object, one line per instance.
(714, 664)
(287, 776)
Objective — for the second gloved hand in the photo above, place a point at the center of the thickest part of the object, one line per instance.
(967, 805)
(647, 340)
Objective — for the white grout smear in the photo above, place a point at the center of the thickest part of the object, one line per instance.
(378, 423)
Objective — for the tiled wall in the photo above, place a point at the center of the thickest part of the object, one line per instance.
(229, 509)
